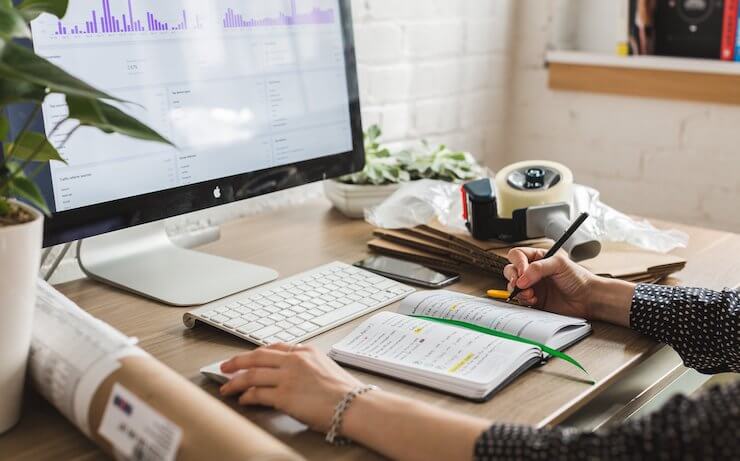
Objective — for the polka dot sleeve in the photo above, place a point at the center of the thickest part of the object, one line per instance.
(705, 428)
(703, 326)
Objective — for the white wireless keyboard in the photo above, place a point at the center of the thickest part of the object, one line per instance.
(300, 307)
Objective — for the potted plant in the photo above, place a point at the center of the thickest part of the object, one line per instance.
(26, 78)
(386, 171)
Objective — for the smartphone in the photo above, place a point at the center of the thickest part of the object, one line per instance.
(407, 272)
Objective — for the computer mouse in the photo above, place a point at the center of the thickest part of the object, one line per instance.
(214, 373)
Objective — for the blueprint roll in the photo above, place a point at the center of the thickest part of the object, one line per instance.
(532, 183)
(129, 403)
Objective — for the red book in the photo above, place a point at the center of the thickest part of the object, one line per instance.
(729, 30)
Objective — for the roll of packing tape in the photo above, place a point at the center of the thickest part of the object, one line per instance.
(532, 183)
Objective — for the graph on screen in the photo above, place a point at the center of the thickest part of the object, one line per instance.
(129, 17)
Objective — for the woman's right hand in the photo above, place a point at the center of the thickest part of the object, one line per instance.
(556, 284)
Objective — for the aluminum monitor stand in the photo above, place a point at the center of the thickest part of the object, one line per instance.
(145, 261)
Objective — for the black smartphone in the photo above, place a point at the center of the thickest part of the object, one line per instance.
(407, 272)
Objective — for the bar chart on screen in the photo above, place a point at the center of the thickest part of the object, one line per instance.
(119, 18)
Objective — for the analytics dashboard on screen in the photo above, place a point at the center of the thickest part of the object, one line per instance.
(237, 85)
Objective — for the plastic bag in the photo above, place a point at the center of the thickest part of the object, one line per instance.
(419, 202)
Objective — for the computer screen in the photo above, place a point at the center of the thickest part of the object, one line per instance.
(238, 86)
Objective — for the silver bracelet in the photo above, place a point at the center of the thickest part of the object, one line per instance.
(339, 410)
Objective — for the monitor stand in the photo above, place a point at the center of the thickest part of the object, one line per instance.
(145, 261)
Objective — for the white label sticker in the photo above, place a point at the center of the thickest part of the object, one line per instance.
(136, 430)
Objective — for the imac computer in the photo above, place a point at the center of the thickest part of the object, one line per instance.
(256, 95)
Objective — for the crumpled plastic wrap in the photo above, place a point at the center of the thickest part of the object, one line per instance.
(419, 202)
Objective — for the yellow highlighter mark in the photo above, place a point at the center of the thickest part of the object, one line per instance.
(418, 330)
(461, 363)
(453, 308)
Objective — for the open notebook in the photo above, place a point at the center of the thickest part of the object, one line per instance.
(450, 358)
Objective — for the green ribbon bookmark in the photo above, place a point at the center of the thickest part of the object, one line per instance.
(501, 334)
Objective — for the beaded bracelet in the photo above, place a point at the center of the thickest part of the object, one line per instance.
(339, 410)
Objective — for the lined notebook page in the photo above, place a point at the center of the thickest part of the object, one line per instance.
(520, 321)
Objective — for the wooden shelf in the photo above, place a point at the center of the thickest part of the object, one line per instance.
(645, 76)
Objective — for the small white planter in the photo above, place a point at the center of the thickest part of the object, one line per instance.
(353, 199)
(20, 251)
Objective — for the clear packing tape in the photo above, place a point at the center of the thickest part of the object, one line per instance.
(420, 202)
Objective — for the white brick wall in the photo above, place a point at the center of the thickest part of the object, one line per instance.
(668, 159)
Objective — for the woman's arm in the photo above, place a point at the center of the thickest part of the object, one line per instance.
(703, 326)
(307, 384)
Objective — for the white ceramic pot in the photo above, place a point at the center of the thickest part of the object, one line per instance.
(20, 252)
(353, 199)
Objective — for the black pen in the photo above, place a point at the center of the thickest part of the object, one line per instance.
(559, 244)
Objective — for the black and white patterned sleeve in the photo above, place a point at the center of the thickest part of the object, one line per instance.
(704, 328)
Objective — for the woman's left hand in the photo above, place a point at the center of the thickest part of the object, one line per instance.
(298, 380)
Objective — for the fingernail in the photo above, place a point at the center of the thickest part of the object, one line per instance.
(523, 281)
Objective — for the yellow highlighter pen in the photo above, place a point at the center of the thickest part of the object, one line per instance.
(498, 294)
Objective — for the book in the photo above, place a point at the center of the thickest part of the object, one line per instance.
(411, 346)
(729, 30)
(736, 56)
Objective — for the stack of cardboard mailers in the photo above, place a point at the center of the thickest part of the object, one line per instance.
(437, 246)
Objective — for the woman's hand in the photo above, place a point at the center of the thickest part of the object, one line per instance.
(556, 284)
(559, 285)
(298, 380)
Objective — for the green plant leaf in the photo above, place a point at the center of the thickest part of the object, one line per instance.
(24, 147)
(4, 207)
(32, 8)
(22, 187)
(4, 128)
(13, 91)
(20, 63)
(12, 23)
(110, 119)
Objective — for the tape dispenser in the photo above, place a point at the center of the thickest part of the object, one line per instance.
(524, 201)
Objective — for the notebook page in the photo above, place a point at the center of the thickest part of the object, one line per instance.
(520, 321)
(401, 342)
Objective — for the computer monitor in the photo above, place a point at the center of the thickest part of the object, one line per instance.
(257, 96)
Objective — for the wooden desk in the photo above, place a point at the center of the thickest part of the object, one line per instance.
(296, 239)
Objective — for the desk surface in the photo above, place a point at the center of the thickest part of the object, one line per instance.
(297, 239)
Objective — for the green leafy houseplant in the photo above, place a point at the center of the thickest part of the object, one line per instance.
(384, 167)
(26, 78)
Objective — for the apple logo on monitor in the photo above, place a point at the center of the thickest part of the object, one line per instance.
(217, 192)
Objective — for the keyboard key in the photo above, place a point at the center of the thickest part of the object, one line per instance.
(250, 327)
(249, 317)
(273, 309)
(266, 321)
(277, 317)
(287, 337)
(265, 332)
(298, 309)
(295, 320)
(328, 308)
(309, 327)
(271, 340)
(369, 302)
(221, 309)
(207, 314)
(293, 301)
(315, 312)
(339, 303)
(295, 331)
(339, 314)
(235, 323)
(285, 325)
(307, 305)
(385, 284)
(219, 319)
(306, 316)
(261, 313)
(283, 305)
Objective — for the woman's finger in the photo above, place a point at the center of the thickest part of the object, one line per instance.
(266, 396)
(265, 377)
(261, 357)
(510, 273)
